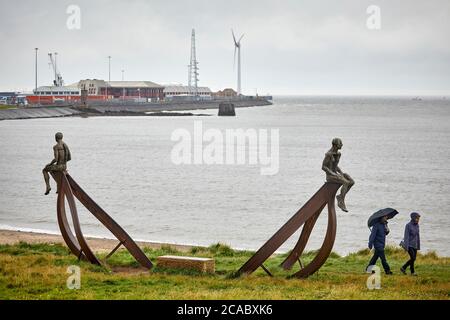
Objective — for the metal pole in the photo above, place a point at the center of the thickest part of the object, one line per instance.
(123, 89)
(109, 68)
(109, 75)
(35, 69)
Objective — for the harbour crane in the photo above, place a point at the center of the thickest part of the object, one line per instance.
(58, 82)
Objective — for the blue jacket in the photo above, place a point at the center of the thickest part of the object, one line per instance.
(377, 237)
(412, 236)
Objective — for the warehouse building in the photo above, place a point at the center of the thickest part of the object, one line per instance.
(228, 92)
(171, 91)
(147, 90)
(57, 91)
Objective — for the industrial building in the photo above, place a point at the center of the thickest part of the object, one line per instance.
(171, 91)
(13, 97)
(57, 91)
(54, 94)
(228, 92)
(122, 89)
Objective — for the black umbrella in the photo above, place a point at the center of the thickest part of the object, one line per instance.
(389, 212)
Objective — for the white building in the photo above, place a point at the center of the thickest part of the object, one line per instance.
(92, 86)
(171, 91)
(57, 91)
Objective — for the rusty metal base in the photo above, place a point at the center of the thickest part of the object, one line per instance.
(67, 189)
(306, 216)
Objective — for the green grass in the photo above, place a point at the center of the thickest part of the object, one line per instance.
(7, 106)
(38, 271)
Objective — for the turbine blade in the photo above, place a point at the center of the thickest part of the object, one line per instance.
(234, 60)
(241, 38)
(234, 38)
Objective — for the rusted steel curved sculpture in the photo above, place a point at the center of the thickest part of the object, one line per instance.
(306, 216)
(67, 189)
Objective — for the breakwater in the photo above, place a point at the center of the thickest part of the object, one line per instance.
(105, 109)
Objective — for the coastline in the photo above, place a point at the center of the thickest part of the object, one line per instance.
(125, 109)
(98, 244)
(101, 244)
(39, 271)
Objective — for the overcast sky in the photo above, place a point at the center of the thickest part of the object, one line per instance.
(289, 47)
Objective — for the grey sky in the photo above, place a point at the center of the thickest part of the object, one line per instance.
(289, 47)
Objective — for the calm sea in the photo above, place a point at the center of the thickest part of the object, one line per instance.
(396, 149)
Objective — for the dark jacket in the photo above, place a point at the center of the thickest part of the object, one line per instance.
(412, 236)
(377, 237)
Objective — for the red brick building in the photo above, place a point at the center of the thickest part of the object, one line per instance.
(123, 89)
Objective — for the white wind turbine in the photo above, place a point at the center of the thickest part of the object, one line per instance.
(237, 46)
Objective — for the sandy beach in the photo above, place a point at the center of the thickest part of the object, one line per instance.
(96, 244)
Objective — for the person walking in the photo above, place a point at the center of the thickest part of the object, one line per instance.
(377, 240)
(411, 242)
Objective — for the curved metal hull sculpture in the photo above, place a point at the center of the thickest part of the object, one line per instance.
(67, 189)
(306, 216)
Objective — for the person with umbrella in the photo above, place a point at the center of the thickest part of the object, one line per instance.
(411, 242)
(377, 239)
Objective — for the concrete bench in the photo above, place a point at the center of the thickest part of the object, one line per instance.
(205, 265)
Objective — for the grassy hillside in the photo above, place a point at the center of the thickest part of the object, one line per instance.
(38, 271)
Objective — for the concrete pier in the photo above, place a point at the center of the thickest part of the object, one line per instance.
(105, 109)
(31, 113)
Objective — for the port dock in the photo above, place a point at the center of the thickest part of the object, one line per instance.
(116, 108)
